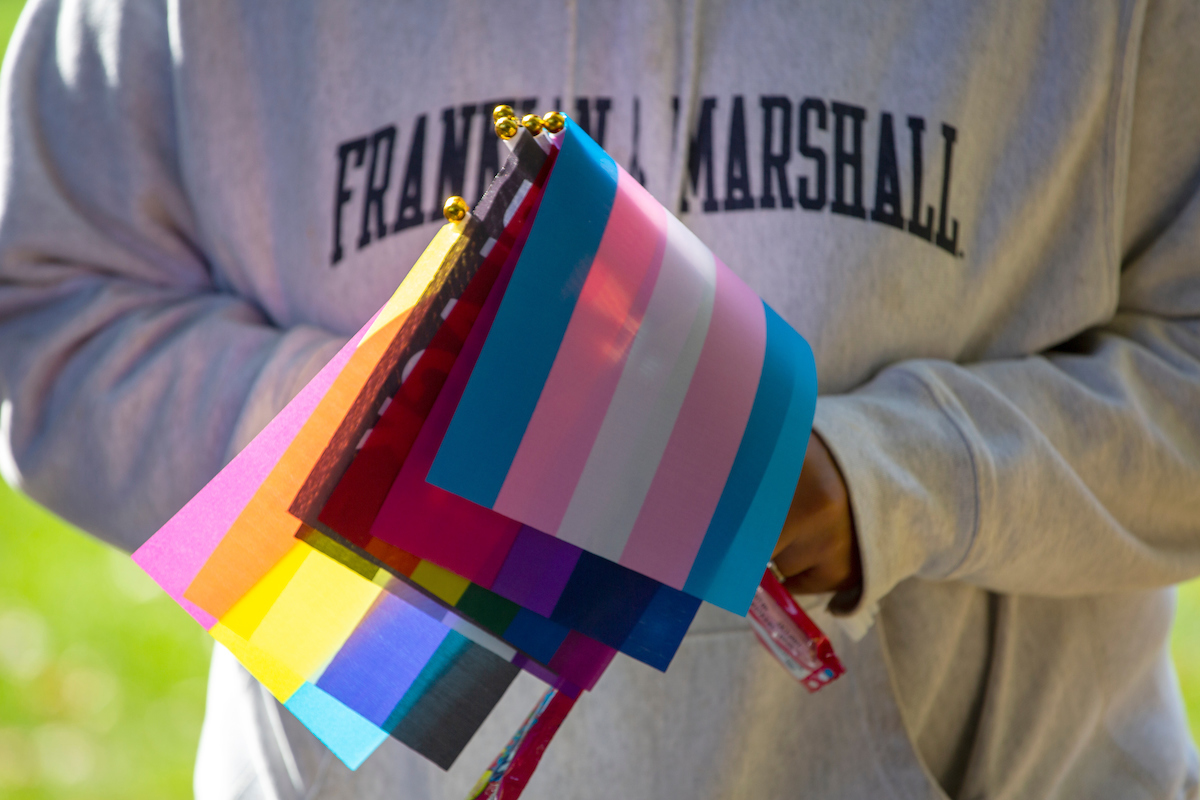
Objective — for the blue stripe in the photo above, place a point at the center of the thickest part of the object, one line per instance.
(771, 402)
(382, 658)
(439, 664)
(661, 628)
(740, 572)
(604, 599)
(350, 736)
(496, 407)
(535, 635)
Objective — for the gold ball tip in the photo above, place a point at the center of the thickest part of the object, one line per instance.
(506, 127)
(554, 121)
(503, 112)
(455, 209)
(533, 123)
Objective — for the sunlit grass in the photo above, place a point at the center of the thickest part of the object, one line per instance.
(1185, 646)
(102, 676)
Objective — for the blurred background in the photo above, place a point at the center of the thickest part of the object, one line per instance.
(102, 676)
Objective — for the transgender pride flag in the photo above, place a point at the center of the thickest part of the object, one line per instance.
(634, 397)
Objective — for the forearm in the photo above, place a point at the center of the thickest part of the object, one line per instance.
(125, 399)
(127, 376)
(1063, 474)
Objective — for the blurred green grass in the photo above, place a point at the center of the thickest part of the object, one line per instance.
(1185, 646)
(102, 676)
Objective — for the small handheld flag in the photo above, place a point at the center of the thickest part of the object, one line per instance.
(570, 425)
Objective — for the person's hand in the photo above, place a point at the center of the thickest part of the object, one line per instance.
(818, 550)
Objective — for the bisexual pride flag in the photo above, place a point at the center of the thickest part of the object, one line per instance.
(571, 425)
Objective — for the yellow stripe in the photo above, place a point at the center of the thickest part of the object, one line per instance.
(247, 614)
(417, 280)
(279, 680)
(314, 615)
(442, 582)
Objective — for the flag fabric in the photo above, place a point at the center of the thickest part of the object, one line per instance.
(569, 654)
(354, 653)
(319, 635)
(569, 426)
(634, 397)
(572, 626)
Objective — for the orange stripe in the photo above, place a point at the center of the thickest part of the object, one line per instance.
(265, 531)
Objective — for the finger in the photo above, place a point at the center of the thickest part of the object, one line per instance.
(797, 558)
(838, 569)
(819, 499)
(815, 580)
(797, 510)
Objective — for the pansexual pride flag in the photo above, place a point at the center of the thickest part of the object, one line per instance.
(634, 397)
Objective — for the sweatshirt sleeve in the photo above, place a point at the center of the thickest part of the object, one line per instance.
(1071, 472)
(128, 376)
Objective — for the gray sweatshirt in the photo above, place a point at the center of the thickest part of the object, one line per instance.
(984, 216)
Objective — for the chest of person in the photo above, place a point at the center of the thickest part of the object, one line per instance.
(897, 180)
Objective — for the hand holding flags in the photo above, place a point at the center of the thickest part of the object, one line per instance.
(570, 425)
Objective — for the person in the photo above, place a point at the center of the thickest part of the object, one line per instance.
(984, 217)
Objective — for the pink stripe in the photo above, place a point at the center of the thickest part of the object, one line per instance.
(577, 393)
(468, 539)
(705, 439)
(175, 555)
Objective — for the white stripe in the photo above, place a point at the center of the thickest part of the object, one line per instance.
(479, 636)
(647, 400)
(411, 365)
(522, 190)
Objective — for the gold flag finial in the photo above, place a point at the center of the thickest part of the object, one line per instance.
(455, 209)
(503, 111)
(554, 121)
(507, 127)
(533, 123)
